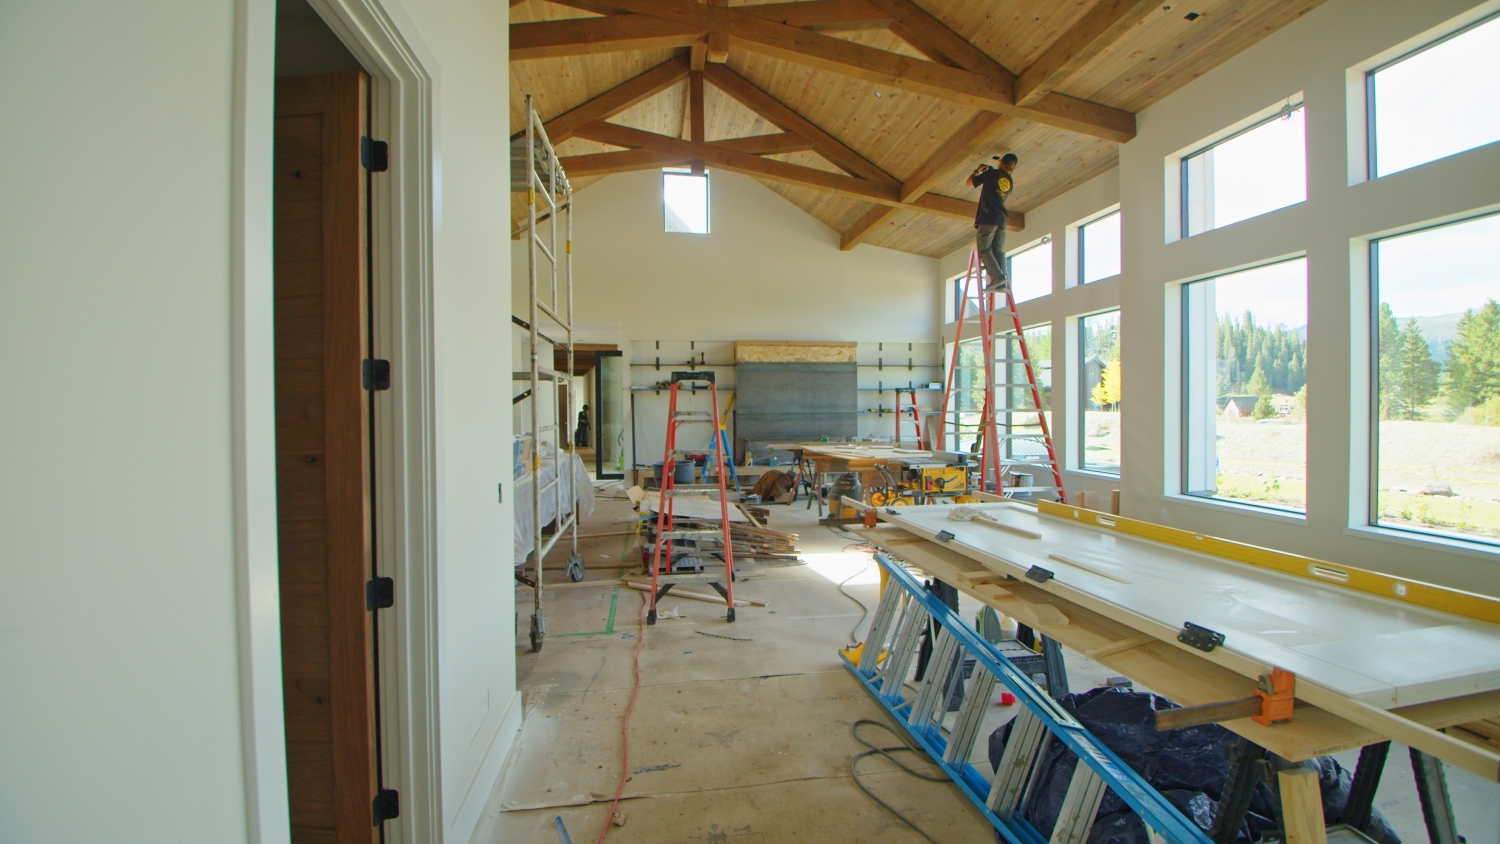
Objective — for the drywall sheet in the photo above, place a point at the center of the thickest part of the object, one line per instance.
(1381, 651)
(790, 402)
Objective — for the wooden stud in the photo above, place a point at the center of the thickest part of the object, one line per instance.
(1302, 806)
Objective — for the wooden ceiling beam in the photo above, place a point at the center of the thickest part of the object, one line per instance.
(813, 49)
(1101, 26)
(618, 98)
(587, 36)
(776, 144)
(719, 155)
(696, 120)
(782, 115)
(919, 28)
(629, 160)
(817, 15)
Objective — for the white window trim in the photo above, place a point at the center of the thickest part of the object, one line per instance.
(1073, 239)
(1279, 515)
(1074, 403)
(1173, 164)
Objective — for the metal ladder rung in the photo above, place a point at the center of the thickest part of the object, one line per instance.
(1080, 804)
(674, 492)
(898, 661)
(1027, 734)
(970, 716)
(933, 694)
(885, 614)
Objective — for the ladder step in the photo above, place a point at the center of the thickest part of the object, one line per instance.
(674, 492)
(1080, 804)
(683, 414)
(1027, 737)
(970, 717)
(691, 534)
(880, 628)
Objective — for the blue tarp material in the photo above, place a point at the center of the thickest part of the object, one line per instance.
(1189, 767)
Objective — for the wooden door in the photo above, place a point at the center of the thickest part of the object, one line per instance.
(322, 458)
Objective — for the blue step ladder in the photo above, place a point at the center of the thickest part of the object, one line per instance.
(885, 661)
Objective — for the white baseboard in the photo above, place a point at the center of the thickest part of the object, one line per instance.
(470, 810)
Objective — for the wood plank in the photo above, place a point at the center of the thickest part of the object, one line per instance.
(1101, 26)
(625, 161)
(822, 15)
(973, 140)
(617, 99)
(695, 115)
(779, 113)
(587, 36)
(1302, 806)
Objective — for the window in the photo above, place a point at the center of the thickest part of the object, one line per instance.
(1098, 428)
(1244, 374)
(962, 424)
(1099, 248)
(685, 201)
(1436, 101)
(1031, 271)
(1247, 174)
(1435, 400)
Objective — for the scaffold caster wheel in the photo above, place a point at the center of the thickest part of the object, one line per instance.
(575, 569)
(651, 616)
(536, 634)
(731, 615)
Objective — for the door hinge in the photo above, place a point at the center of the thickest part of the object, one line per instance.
(386, 806)
(376, 374)
(380, 594)
(374, 155)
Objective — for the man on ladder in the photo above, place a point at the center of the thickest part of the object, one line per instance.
(995, 184)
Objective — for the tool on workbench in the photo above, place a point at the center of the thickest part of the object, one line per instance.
(1009, 447)
(701, 562)
(884, 663)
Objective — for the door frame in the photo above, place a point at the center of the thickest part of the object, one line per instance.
(405, 442)
(598, 404)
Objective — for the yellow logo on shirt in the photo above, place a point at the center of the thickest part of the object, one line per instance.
(1004, 185)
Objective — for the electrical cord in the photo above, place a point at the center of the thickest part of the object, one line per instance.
(886, 752)
(854, 631)
(640, 636)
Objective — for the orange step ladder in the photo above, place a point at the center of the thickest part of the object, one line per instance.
(708, 555)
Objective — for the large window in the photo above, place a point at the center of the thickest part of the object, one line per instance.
(1099, 248)
(1098, 424)
(1437, 101)
(1245, 175)
(684, 201)
(962, 425)
(1436, 364)
(1244, 371)
(1031, 271)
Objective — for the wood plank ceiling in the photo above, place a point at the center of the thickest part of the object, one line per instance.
(867, 114)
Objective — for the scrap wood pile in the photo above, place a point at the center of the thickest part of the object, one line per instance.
(752, 539)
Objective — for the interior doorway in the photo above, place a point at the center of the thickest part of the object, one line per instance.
(324, 464)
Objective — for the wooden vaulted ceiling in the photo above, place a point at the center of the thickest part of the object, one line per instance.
(867, 114)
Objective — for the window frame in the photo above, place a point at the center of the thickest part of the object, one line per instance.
(1044, 240)
(1083, 237)
(1371, 162)
(1185, 409)
(1372, 410)
(1079, 423)
(1182, 172)
(707, 204)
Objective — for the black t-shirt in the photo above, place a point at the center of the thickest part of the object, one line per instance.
(994, 186)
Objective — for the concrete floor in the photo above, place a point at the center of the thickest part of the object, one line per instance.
(743, 742)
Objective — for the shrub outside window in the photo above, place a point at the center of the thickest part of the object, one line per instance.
(1435, 361)
(1244, 376)
(1098, 428)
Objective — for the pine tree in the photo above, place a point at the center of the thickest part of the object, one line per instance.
(1389, 354)
(1259, 384)
(1416, 374)
(1474, 357)
(1264, 409)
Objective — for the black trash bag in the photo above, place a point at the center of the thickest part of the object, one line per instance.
(1189, 767)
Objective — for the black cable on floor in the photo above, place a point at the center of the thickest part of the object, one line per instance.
(886, 752)
(854, 631)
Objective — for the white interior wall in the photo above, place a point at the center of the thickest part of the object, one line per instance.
(1329, 228)
(766, 271)
(121, 645)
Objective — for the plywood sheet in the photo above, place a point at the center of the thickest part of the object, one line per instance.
(1382, 652)
(794, 351)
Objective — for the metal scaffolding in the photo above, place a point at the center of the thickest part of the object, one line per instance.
(536, 170)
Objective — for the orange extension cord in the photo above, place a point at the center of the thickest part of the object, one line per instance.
(640, 638)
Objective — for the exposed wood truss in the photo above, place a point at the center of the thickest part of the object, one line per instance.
(681, 23)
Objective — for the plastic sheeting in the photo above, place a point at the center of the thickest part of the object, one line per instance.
(1189, 767)
(575, 485)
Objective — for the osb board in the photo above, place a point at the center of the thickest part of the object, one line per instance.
(794, 351)
(1158, 666)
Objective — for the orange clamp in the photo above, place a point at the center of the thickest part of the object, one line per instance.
(1277, 697)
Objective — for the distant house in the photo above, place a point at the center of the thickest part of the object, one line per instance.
(1093, 373)
(1240, 407)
